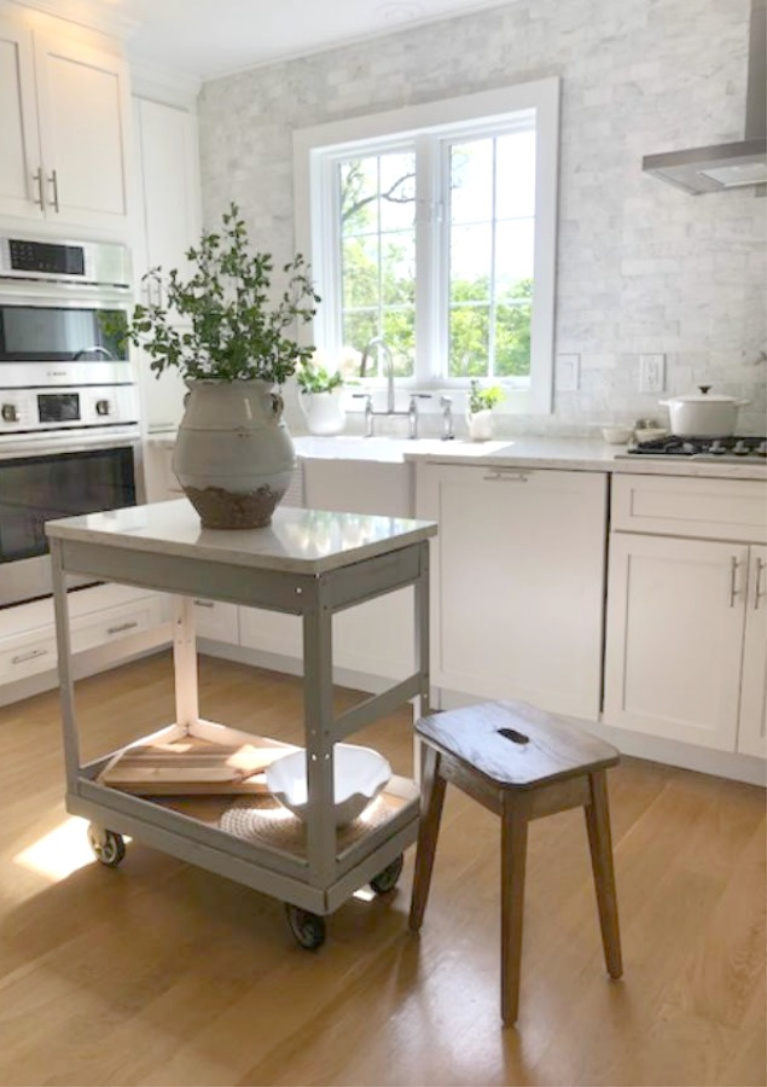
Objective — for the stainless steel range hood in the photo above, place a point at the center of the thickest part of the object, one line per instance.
(727, 165)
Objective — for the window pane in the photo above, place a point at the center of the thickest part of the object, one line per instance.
(469, 337)
(471, 181)
(471, 257)
(397, 191)
(399, 333)
(359, 329)
(398, 266)
(512, 340)
(514, 252)
(359, 188)
(359, 257)
(515, 180)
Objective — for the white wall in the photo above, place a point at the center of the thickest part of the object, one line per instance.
(642, 267)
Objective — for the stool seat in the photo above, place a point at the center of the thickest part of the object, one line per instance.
(515, 744)
(521, 763)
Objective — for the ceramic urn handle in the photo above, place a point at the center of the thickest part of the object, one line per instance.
(278, 405)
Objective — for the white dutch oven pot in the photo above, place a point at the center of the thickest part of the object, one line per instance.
(700, 415)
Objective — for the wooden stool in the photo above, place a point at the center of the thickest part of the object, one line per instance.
(521, 763)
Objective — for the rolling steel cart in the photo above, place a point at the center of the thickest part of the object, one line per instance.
(310, 564)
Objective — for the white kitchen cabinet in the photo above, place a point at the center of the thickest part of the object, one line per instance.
(518, 583)
(167, 179)
(65, 121)
(685, 637)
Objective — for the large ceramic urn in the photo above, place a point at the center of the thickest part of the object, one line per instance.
(234, 456)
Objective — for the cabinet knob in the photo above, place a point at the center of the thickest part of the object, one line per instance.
(103, 407)
(9, 413)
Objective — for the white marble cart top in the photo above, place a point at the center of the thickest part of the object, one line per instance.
(298, 540)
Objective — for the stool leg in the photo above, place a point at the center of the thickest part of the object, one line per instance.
(600, 843)
(513, 858)
(433, 795)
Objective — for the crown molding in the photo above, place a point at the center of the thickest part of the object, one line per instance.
(92, 14)
(166, 85)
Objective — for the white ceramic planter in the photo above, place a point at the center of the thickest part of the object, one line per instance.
(324, 412)
(234, 456)
(480, 424)
(701, 415)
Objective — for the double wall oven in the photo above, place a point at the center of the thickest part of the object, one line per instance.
(69, 404)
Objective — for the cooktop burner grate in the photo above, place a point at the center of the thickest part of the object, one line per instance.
(730, 449)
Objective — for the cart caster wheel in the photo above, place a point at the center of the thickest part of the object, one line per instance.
(387, 880)
(308, 928)
(108, 845)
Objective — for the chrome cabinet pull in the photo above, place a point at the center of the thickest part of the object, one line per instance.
(204, 604)
(758, 591)
(22, 658)
(54, 183)
(501, 475)
(37, 178)
(734, 564)
(122, 626)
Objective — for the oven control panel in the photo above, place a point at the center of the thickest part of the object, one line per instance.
(25, 412)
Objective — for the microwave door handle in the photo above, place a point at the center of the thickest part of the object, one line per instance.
(97, 349)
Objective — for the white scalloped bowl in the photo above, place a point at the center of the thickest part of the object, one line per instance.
(359, 775)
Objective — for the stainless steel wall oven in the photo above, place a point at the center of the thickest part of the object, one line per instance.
(69, 405)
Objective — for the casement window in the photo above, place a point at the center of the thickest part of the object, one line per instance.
(433, 228)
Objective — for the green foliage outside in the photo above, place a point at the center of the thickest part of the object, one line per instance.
(237, 332)
(379, 293)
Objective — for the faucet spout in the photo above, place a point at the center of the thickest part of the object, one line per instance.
(380, 342)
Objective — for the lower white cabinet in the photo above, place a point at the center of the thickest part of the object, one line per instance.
(517, 582)
(217, 620)
(685, 635)
(101, 615)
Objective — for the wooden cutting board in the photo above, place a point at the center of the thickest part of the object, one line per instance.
(190, 767)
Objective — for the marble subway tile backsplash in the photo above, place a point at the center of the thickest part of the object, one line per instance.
(642, 267)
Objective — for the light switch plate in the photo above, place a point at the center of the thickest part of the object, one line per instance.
(568, 373)
(652, 373)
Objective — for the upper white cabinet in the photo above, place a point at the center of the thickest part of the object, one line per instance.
(64, 130)
(517, 583)
(169, 223)
(685, 647)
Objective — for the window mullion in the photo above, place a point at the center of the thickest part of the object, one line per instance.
(493, 241)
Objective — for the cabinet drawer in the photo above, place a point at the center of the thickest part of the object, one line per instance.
(115, 623)
(712, 509)
(216, 620)
(27, 656)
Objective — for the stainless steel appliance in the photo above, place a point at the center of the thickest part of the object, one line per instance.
(753, 449)
(69, 404)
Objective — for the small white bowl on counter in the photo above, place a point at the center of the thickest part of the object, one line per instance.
(617, 435)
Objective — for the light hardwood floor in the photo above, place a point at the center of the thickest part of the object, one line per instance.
(160, 973)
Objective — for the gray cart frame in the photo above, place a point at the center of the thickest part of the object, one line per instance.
(322, 879)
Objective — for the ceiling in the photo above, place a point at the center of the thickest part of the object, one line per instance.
(208, 38)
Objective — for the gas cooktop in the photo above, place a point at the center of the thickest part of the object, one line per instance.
(721, 449)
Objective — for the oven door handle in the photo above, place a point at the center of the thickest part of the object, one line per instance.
(97, 349)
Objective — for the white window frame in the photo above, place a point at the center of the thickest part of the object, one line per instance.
(316, 151)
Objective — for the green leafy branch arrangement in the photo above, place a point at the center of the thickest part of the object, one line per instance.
(483, 399)
(236, 334)
(314, 378)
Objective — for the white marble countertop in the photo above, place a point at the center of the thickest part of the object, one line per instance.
(298, 541)
(573, 454)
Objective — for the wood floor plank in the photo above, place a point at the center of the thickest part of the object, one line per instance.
(161, 973)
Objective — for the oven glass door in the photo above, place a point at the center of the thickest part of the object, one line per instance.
(37, 489)
(49, 333)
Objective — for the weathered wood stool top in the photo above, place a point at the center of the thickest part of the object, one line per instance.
(514, 744)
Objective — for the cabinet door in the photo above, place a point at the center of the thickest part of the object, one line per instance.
(675, 619)
(84, 111)
(752, 735)
(167, 180)
(518, 583)
(20, 180)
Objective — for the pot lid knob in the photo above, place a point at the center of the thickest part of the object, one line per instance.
(704, 389)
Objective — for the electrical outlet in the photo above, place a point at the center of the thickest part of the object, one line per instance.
(568, 373)
(652, 373)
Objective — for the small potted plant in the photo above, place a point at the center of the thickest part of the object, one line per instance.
(234, 347)
(480, 414)
(321, 390)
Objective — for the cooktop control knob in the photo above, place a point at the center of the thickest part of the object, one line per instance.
(102, 407)
(9, 413)
(741, 449)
